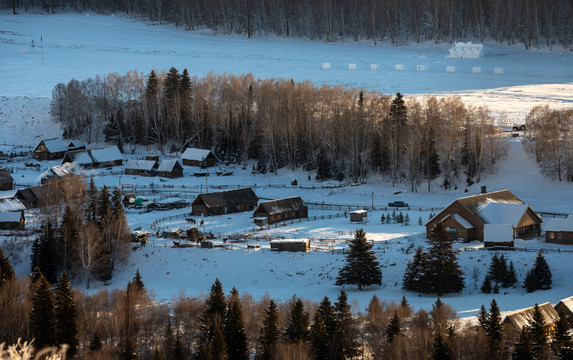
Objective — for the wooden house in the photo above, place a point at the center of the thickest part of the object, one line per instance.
(465, 218)
(199, 157)
(224, 202)
(567, 306)
(31, 197)
(50, 149)
(358, 215)
(141, 167)
(559, 230)
(101, 157)
(170, 168)
(11, 205)
(56, 172)
(281, 210)
(290, 245)
(6, 180)
(12, 220)
(513, 323)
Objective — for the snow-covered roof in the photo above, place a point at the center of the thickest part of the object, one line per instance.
(147, 165)
(501, 213)
(560, 224)
(58, 171)
(55, 145)
(362, 211)
(106, 153)
(11, 205)
(566, 304)
(10, 216)
(7, 194)
(195, 154)
(167, 165)
(76, 144)
(463, 222)
(290, 241)
(524, 317)
(497, 232)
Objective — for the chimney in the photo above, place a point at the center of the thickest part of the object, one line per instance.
(483, 189)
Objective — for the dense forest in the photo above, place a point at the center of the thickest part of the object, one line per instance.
(534, 23)
(337, 132)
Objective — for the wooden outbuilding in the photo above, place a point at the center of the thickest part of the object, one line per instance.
(199, 157)
(12, 204)
(141, 167)
(56, 172)
(101, 157)
(170, 168)
(6, 180)
(359, 215)
(224, 202)
(12, 220)
(567, 306)
(50, 149)
(465, 218)
(513, 323)
(31, 197)
(290, 245)
(559, 230)
(281, 210)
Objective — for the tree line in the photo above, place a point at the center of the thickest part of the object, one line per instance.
(128, 324)
(337, 132)
(534, 23)
(550, 140)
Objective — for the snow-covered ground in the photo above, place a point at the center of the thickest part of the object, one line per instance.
(84, 45)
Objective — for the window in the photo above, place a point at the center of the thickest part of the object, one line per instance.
(453, 233)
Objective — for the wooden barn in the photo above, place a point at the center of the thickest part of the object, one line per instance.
(199, 157)
(12, 220)
(559, 230)
(141, 167)
(170, 168)
(465, 218)
(50, 149)
(282, 209)
(224, 202)
(290, 245)
(6, 180)
(101, 157)
(359, 215)
(513, 323)
(31, 197)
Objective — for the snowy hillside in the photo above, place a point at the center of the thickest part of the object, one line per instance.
(85, 45)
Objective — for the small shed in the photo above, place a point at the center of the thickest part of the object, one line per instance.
(261, 221)
(199, 157)
(12, 220)
(559, 230)
(141, 167)
(281, 210)
(359, 215)
(290, 245)
(224, 202)
(56, 172)
(513, 323)
(50, 149)
(6, 180)
(170, 168)
(31, 196)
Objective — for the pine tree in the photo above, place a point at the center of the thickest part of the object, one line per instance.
(539, 277)
(297, 328)
(522, 349)
(491, 325)
(42, 316)
(362, 267)
(91, 204)
(68, 241)
(443, 273)
(218, 345)
(561, 344)
(66, 315)
(319, 339)
(346, 338)
(406, 220)
(270, 333)
(104, 204)
(511, 278)
(537, 334)
(168, 344)
(178, 349)
(420, 222)
(323, 166)
(6, 269)
(44, 254)
(440, 349)
(234, 331)
(393, 329)
(213, 316)
(327, 349)
(117, 208)
(486, 286)
(415, 271)
(137, 281)
(95, 342)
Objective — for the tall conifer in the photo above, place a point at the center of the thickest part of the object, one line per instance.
(66, 315)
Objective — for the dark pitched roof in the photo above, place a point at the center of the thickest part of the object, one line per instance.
(5, 176)
(30, 195)
(279, 206)
(476, 202)
(228, 198)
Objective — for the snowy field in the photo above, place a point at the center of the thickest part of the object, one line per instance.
(82, 46)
